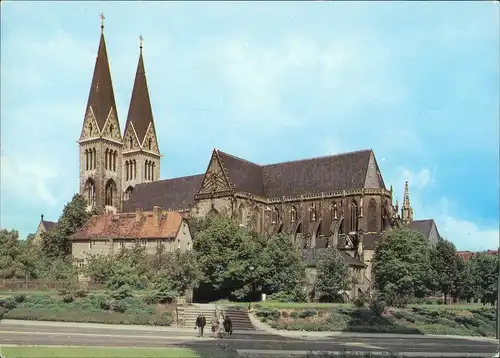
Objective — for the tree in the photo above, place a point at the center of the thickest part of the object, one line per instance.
(485, 271)
(332, 275)
(56, 243)
(445, 267)
(10, 252)
(280, 266)
(464, 287)
(401, 266)
(225, 253)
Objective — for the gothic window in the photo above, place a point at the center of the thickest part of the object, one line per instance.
(130, 142)
(111, 130)
(127, 172)
(146, 170)
(241, 214)
(293, 214)
(95, 158)
(372, 216)
(110, 191)
(275, 216)
(258, 219)
(135, 169)
(353, 216)
(90, 189)
(86, 159)
(128, 192)
(106, 159)
(153, 171)
(149, 143)
(115, 154)
(312, 213)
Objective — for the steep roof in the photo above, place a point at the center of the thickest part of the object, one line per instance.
(140, 112)
(48, 225)
(307, 176)
(125, 225)
(172, 194)
(101, 95)
(314, 175)
(423, 226)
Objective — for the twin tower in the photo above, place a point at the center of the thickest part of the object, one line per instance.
(111, 164)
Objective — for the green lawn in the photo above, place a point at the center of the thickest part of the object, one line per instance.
(91, 352)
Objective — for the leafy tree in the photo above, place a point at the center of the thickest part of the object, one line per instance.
(465, 283)
(225, 254)
(332, 275)
(485, 270)
(445, 267)
(10, 252)
(280, 266)
(401, 266)
(56, 242)
(99, 268)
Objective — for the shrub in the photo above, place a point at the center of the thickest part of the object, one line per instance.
(20, 298)
(308, 313)
(81, 293)
(163, 319)
(122, 292)
(282, 297)
(271, 314)
(359, 302)
(377, 306)
(9, 303)
(118, 306)
(68, 298)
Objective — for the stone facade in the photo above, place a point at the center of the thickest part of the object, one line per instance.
(43, 226)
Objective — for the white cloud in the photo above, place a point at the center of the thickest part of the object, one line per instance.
(29, 179)
(466, 235)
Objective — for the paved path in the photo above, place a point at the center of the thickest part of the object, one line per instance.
(241, 343)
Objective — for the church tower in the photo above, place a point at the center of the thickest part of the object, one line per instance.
(100, 140)
(406, 210)
(141, 153)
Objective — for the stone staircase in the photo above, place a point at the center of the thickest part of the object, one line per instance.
(191, 312)
(239, 317)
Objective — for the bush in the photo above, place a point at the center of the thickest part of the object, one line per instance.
(9, 303)
(163, 319)
(68, 298)
(359, 302)
(81, 293)
(20, 298)
(377, 306)
(271, 314)
(307, 313)
(122, 292)
(2, 312)
(117, 306)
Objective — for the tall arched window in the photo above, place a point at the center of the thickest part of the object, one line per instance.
(241, 214)
(258, 219)
(90, 191)
(90, 129)
(111, 130)
(115, 154)
(372, 216)
(106, 157)
(135, 169)
(127, 175)
(293, 214)
(130, 143)
(275, 216)
(149, 143)
(128, 193)
(110, 191)
(146, 170)
(95, 158)
(353, 216)
(86, 159)
(153, 171)
(90, 159)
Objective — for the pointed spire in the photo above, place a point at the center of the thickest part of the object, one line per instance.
(406, 209)
(101, 96)
(406, 196)
(140, 113)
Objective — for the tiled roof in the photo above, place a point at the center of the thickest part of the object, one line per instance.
(125, 225)
(246, 176)
(311, 257)
(171, 194)
(466, 255)
(140, 112)
(48, 225)
(422, 226)
(101, 95)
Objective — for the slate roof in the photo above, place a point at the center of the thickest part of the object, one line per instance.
(171, 194)
(48, 225)
(101, 95)
(140, 112)
(311, 257)
(125, 225)
(423, 226)
(307, 176)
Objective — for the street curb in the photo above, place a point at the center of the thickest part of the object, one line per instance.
(305, 335)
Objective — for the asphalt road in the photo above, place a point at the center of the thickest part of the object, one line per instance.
(254, 343)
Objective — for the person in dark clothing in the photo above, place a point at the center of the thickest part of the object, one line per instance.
(201, 322)
(228, 325)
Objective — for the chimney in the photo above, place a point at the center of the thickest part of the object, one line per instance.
(156, 215)
(138, 215)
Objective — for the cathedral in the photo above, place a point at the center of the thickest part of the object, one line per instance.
(338, 200)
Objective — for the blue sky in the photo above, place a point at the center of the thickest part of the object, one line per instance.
(417, 82)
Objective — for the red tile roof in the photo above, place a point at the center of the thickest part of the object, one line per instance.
(126, 225)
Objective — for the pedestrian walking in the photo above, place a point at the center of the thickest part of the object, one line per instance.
(201, 322)
(214, 324)
(228, 325)
(220, 327)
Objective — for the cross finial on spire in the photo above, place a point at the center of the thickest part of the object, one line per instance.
(140, 42)
(102, 22)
